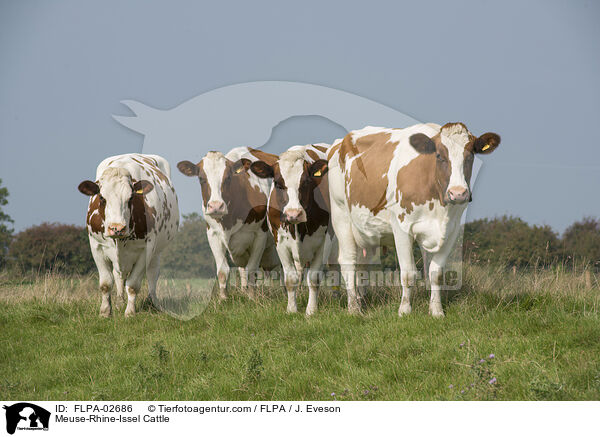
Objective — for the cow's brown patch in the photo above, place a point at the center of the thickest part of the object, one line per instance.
(313, 155)
(95, 215)
(320, 148)
(368, 188)
(269, 158)
(416, 183)
(333, 149)
(143, 216)
(245, 202)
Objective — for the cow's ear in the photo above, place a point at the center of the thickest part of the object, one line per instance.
(188, 168)
(318, 168)
(486, 143)
(422, 143)
(262, 169)
(142, 187)
(241, 165)
(89, 188)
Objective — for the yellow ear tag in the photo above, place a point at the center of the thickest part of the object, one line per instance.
(140, 191)
(317, 173)
(484, 148)
(239, 170)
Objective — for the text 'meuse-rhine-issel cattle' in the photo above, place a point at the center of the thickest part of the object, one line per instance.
(132, 215)
(396, 186)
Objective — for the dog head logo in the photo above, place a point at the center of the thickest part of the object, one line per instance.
(26, 416)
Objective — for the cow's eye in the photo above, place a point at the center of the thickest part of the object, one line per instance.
(440, 157)
(279, 185)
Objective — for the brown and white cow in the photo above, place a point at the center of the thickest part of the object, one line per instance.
(132, 215)
(299, 216)
(395, 186)
(234, 204)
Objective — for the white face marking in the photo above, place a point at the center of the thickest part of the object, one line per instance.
(116, 189)
(214, 165)
(455, 139)
(291, 167)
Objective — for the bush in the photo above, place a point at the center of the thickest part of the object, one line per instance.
(189, 253)
(581, 241)
(52, 246)
(510, 241)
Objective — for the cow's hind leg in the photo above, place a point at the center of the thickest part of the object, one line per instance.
(408, 269)
(346, 254)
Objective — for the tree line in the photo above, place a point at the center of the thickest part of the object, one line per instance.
(506, 240)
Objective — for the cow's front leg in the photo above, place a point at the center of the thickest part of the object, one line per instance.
(408, 269)
(290, 277)
(256, 252)
(120, 287)
(315, 271)
(219, 254)
(106, 280)
(134, 283)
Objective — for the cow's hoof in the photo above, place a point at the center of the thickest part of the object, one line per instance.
(222, 297)
(129, 313)
(105, 315)
(292, 309)
(355, 310)
(310, 311)
(404, 310)
(436, 312)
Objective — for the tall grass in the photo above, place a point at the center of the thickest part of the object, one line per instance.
(532, 335)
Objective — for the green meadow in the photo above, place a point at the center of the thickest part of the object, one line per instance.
(529, 336)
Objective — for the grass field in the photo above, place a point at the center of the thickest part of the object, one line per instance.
(538, 335)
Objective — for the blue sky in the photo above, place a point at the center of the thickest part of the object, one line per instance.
(529, 71)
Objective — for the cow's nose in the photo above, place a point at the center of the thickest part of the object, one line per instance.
(216, 207)
(116, 229)
(458, 194)
(295, 216)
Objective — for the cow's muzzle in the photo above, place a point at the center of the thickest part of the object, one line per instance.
(294, 216)
(458, 195)
(116, 230)
(216, 209)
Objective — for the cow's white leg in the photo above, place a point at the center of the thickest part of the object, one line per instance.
(256, 252)
(436, 273)
(408, 269)
(290, 277)
(119, 285)
(313, 279)
(243, 278)
(346, 254)
(106, 280)
(134, 283)
(219, 254)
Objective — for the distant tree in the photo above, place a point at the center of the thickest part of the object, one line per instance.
(189, 253)
(510, 241)
(581, 241)
(52, 246)
(5, 231)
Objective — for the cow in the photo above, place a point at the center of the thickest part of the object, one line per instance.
(234, 205)
(132, 215)
(392, 187)
(298, 216)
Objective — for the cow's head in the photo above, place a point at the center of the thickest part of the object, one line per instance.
(295, 180)
(116, 190)
(217, 176)
(454, 148)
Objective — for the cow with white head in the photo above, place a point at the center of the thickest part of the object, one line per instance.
(132, 215)
(299, 216)
(234, 205)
